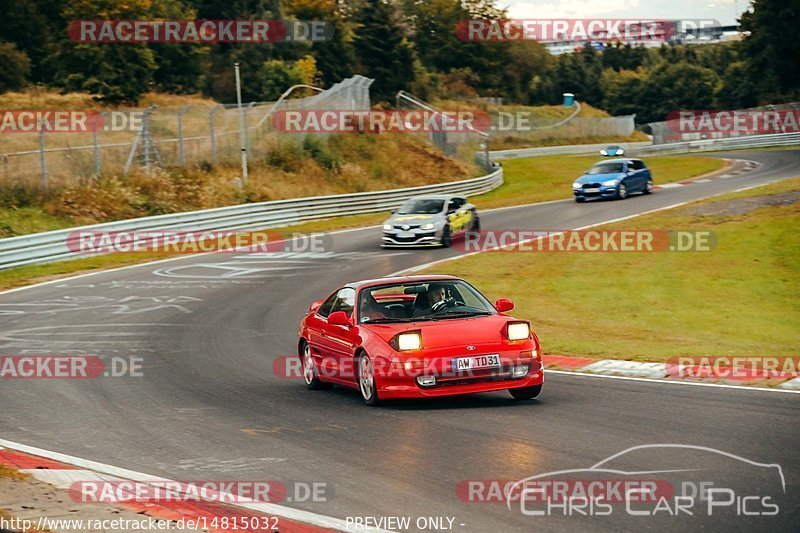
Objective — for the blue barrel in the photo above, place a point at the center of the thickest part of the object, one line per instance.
(569, 99)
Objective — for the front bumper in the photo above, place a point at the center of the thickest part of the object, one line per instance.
(414, 237)
(601, 191)
(393, 383)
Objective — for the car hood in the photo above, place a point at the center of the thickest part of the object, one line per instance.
(416, 219)
(448, 333)
(597, 178)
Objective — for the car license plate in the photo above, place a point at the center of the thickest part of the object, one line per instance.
(475, 362)
(593, 189)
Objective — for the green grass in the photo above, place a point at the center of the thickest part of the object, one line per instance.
(739, 299)
(25, 220)
(540, 179)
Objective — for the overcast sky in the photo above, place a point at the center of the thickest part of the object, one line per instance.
(725, 11)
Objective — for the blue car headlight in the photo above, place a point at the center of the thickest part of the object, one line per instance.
(610, 183)
(576, 185)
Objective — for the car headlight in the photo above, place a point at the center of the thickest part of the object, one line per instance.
(409, 340)
(426, 226)
(576, 185)
(603, 152)
(387, 227)
(517, 331)
(610, 183)
(620, 152)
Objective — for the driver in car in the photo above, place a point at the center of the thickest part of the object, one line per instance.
(437, 299)
(371, 309)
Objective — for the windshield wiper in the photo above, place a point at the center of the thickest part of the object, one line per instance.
(390, 319)
(475, 312)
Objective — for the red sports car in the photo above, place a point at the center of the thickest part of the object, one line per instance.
(418, 336)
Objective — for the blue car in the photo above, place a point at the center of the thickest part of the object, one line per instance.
(612, 151)
(616, 178)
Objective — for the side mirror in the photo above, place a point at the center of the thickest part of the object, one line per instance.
(316, 305)
(339, 318)
(503, 305)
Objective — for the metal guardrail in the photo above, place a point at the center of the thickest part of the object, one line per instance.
(561, 150)
(55, 245)
(644, 148)
(728, 143)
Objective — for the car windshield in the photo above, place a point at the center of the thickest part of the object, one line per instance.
(613, 147)
(421, 300)
(421, 206)
(606, 168)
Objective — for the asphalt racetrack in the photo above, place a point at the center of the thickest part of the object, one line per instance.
(210, 406)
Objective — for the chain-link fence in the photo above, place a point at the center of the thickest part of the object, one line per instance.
(457, 144)
(676, 130)
(166, 136)
(518, 126)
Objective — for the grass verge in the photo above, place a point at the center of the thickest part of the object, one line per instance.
(739, 299)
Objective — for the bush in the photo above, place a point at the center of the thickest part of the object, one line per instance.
(321, 153)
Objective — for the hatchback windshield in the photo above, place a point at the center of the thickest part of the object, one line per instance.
(422, 206)
(434, 300)
(606, 168)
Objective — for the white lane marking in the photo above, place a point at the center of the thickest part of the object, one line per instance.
(671, 185)
(269, 508)
(64, 478)
(791, 385)
(672, 382)
(627, 368)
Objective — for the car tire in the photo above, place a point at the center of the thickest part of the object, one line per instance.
(648, 186)
(447, 239)
(580, 200)
(476, 224)
(622, 191)
(310, 374)
(366, 381)
(526, 393)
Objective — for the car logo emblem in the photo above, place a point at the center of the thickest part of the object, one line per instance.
(406, 227)
(470, 347)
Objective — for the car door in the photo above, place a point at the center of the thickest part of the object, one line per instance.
(315, 325)
(340, 342)
(458, 216)
(639, 178)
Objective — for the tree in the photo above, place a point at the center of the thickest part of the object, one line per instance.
(622, 91)
(674, 87)
(334, 57)
(15, 67)
(382, 51)
(772, 49)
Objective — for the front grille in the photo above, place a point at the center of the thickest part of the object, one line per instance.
(410, 226)
(591, 185)
(478, 376)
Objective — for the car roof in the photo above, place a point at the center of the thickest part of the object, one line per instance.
(618, 160)
(435, 196)
(398, 279)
